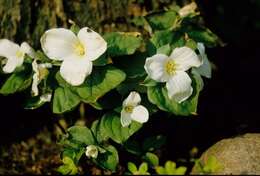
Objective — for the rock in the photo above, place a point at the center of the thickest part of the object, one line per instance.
(236, 156)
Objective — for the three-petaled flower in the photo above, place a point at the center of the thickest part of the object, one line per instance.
(76, 52)
(172, 70)
(132, 110)
(14, 54)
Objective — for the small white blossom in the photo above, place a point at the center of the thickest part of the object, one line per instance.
(132, 110)
(14, 54)
(91, 151)
(40, 71)
(75, 52)
(172, 70)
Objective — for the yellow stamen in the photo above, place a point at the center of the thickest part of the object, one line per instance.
(79, 49)
(19, 54)
(129, 109)
(171, 67)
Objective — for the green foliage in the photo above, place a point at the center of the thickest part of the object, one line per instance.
(158, 95)
(120, 43)
(142, 170)
(68, 167)
(18, 81)
(170, 169)
(162, 20)
(211, 165)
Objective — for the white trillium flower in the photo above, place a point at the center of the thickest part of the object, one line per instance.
(205, 69)
(40, 71)
(91, 151)
(172, 70)
(14, 54)
(132, 110)
(76, 52)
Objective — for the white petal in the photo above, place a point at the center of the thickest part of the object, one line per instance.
(205, 68)
(8, 48)
(35, 81)
(155, 67)
(74, 70)
(46, 97)
(91, 151)
(26, 48)
(58, 43)
(185, 58)
(12, 63)
(179, 87)
(133, 99)
(125, 118)
(94, 44)
(140, 114)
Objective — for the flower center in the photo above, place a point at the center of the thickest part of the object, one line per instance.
(171, 67)
(19, 54)
(79, 49)
(129, 109)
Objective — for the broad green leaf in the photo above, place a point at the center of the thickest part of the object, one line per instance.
(109, 159)
(101, 81)
(162, 20)
(131, 167)
(158, 95)
(152, 159)
(148, 82)
(120, 43)
(170, 167)
(131, 84)
(160, 170)
(64, 100)
(167, 37)
(17, 82)
(34, 103)
(99, 134)
(81, 134)
(165, 49)
(111, 125)
(203, 35)
(180, 170)
(143, 168)
(68, 167)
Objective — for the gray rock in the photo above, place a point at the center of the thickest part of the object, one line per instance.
(239, 155)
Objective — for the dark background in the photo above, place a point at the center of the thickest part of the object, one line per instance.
(228, 105)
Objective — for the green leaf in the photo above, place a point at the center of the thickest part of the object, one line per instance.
(152, 159)
(143, 168)
(17, 82)
(81, 134)
(170, 167)
(34, 103)
(204, 35)
(131, 167)
(160, 170)
(162, 20)
(99, 133)
(158, 95)
(64, 100)
(120, 43)
(165, 49)
(148, 82)
(68, 167)
(180, 170)
(167, 37)
(109, 159)
(101, 81)
(111, 125)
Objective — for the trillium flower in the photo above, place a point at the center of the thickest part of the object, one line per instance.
(205, 68)
(75, 52)
(91, 151)
(172, 70)
(14, 54)
(132, 110)
(40, 71)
